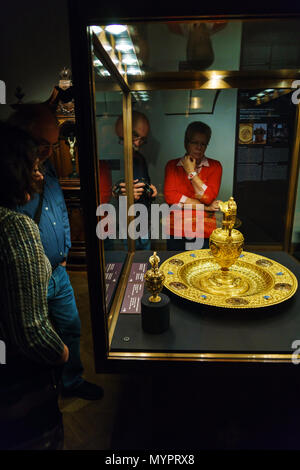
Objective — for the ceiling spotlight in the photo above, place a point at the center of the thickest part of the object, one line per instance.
(105, 72)
(260, 94)
(96, 29)
(133, 71)
(129, 59)
(216, 76)
(124, 47)
(116, 28)
(196, 102)
(269, 90)
(97, 62)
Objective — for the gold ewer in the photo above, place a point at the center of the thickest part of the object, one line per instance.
(226, 245)
(154, 279)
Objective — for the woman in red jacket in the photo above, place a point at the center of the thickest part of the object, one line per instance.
(195, 180)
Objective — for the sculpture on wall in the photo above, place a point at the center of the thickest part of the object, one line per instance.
(62, 98)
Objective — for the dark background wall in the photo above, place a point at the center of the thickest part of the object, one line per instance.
(34, 48)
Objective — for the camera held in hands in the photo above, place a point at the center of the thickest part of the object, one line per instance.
(148, 191)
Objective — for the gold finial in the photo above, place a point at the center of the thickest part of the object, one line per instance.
(154, 278)
(226, 245)
(229, 209)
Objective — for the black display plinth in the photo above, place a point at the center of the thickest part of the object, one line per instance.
(155, 316)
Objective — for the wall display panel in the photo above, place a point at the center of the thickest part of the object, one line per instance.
(264, 147)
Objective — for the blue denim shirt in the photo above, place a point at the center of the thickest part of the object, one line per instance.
(54, 222)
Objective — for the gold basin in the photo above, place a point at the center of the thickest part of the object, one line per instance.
(253, 281)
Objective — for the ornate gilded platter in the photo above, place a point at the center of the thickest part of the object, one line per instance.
(245, 133)
(259, 281)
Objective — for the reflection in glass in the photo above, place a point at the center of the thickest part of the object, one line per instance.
(264, 146)
(111, 167)
(203, 45)
(252, 145)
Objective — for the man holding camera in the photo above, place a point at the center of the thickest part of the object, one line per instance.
(143, 191)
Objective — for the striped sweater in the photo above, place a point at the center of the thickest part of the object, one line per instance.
(24, 276)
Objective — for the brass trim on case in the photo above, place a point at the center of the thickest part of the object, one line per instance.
(128, 160)
(203, 357)
(292, 191)
(151, 81)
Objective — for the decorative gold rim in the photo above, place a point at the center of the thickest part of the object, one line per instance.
(282, 286)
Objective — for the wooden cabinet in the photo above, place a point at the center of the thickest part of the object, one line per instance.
(61, 160)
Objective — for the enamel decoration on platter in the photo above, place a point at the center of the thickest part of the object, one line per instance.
(225, 275)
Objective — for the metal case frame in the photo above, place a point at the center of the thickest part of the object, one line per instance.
(82, 15)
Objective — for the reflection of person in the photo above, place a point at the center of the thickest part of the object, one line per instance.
(29, 413)
(55, 235)
(193, 179)
(199, 50)
(140, 130)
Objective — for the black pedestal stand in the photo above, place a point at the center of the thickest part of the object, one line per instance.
(155, 315)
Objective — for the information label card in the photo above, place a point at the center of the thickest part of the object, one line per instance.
(135, 289)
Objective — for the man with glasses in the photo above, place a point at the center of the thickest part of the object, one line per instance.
(49, 211)
(143, 191)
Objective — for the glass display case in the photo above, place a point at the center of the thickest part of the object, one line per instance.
(139, 84)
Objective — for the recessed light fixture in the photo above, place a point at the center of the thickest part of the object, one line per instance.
(133, 71)
(216, 76)
(124, 47)
(196, 102)
(129, 59)
(97, 62)
(116, 28)
(105, 72)
(96, 29)
(269, 90)
(260, 94)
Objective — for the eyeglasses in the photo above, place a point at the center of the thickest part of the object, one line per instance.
(135, 139)
(45, 149)
(197, 143)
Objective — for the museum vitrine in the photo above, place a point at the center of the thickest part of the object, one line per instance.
(139, 84)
